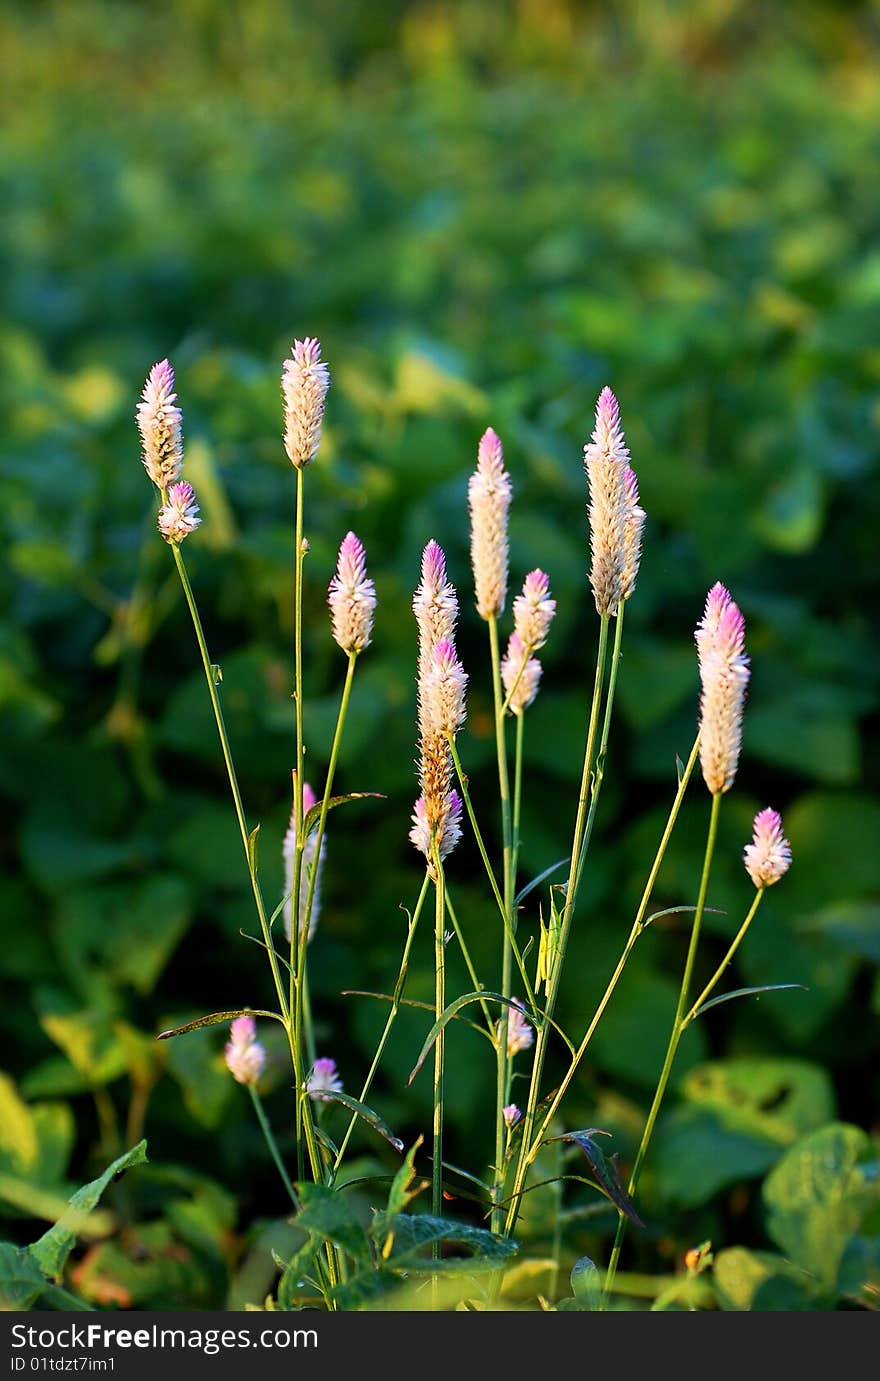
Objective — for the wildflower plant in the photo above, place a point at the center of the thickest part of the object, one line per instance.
(513, 1007)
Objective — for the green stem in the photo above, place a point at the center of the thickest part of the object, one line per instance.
(233, 780)
(501, 1055)
(735, 944)
(328, 791)
(296, 942)
(599, 767)
(392, 1016)
(635, 932)
(272, 1144)
(675, 1036)
(439, 1044)
(517, 796)
(565, 926)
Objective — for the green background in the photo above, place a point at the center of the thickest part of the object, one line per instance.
(485, 212)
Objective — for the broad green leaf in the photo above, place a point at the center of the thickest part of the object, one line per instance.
(776, 1099)
(695, 1154)
(89, 1042)
(328, 1214)
(761, 1281)
(586, 1284)
(604, 1169)
(415, 1233)
(52, 1250)
(21, 1282)
(853, 925)
(818, 1196)
(18, 1136)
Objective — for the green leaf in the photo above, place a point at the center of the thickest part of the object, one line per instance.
(696, 1154)
(50, 1253)
(217, 1019)
(778, 1100)
(586, 1284)
(747, 992)
(817, 1197)
(859, 1276)
(291, 1285)
(252, 849)
(760, 1281)
(415, 1233)
(852, 925)
(18, 1136)
(400, 1194)
(367, 1115)
(447, 1015)
(21, 1282)
(604, 1169)
(328, 1215)
(314, 814)
(542, 877)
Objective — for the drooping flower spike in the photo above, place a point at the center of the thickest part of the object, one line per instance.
(768, 857)
(352, 597)
(724, 675)
(159, 422)
(310, 860)
(179, 516)
(489, 495)
(606, 460)
(305, 379)
(244, 1055)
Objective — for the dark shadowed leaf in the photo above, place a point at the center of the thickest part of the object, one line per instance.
(604, 1169)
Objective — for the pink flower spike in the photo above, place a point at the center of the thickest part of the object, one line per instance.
(606, 460)
(444, 691)
(305, 380)
(724, 675)
(634, 523)
(159, 423)
(489, 495)
(179, 516)
(324, 1079)
(352, 597)
(534, 611)
(768, 857)
(244, 1055)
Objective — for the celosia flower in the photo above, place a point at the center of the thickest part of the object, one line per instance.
(533, 611)
(443, 691)
(448, 826)
(308, 863)
(632, 534)
(520, 1034)
(606, 459)
(435, 604)
(521, 675)
(245, 1056)
(768, 857)
(323, 1079)
(352, 597)
(489, 495)
(179, 516)
(305, 380)
(724, 674)
(159, 423)
(511, 1115)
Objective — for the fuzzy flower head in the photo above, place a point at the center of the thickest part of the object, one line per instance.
(305, 380)
(724, 675)
(489, 495)
(533, 611)
(634, 524)
(435, 604)
(180, 515)
(768, 857)
(159, 423)
(311, 862)
(443, 691)
(245, 1056)
(521, 675)
(448, 825)
(323, 1079)
(352, 597)
(606, 459)
(511, 1115)
(520, 1034)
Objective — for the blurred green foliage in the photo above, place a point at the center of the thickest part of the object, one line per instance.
(485, 211)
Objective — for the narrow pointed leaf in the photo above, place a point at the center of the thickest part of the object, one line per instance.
(680, 911)
(252, 849)
(604, 1169)
(748, 992)
(314, 815)
(400, 1193)
(446, 1016)
(216, 1019)
(542, 877)
(368, 1115)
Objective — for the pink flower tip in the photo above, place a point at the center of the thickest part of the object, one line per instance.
(323, 1080)
(607, 408)
(511, 1114)
(433, 565)
(768, 857)
(244, 1055)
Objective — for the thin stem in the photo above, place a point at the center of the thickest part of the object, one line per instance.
(233, 780)
(392, 1015)
(517, 796)
(296, 939)
(328, 791)
(502, 1057)
(272, 1144)
(675, 1036)
(635, 932)
(439, 1044)
(734, 946)
(557, 960)
(599, 767)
